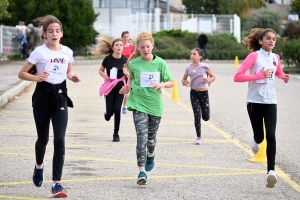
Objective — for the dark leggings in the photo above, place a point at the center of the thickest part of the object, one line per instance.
(200, 105)
(113, 102)
(44, 111)
(258, 114)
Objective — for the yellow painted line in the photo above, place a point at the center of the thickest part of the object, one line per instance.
(134, 178)
(279, 171)
(111, 145)
(134, 162)
(18, 197)
(93, 125)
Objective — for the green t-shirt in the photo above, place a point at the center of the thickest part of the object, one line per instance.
(145, 99)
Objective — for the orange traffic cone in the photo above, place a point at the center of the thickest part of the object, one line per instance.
(261, 155)
(175, 96)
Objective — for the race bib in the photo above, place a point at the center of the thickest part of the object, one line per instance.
(266, 80)
(149, 77)
(57, 72)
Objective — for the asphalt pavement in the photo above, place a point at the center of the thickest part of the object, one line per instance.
(96, 168)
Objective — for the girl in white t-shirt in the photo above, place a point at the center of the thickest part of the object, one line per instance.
(50, 101)
(200, 77)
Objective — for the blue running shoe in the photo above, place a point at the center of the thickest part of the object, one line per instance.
(124, 110)
(149, 163)
(38, 176)
(142, 178)
(58, 191)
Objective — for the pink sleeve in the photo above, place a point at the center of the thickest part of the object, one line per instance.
(279, 73)
(241, 75)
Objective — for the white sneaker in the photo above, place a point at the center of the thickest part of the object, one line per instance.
(255, 147)
(271, 179)
(198, 141)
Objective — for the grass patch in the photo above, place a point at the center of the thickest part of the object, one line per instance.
(292, 68)
(3, 106)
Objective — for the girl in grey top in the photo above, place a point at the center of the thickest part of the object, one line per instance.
(200, 78)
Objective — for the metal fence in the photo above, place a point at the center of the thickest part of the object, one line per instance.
(151, 22)
(8, 46)
(154, 22)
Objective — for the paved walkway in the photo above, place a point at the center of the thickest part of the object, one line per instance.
(96, 168)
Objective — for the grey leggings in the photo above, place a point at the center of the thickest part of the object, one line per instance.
(146, 127)
(200, 105)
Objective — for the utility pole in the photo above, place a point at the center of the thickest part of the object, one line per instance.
(168, 14)
(110, 17)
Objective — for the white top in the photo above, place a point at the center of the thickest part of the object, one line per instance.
(55, 62)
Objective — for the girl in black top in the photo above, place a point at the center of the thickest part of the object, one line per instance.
(112, 72)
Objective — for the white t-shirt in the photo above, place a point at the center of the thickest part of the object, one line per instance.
(55, 62)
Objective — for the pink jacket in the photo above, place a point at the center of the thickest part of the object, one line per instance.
(109, 84)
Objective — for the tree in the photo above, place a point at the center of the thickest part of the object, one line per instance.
(77, 18)
(263, 18)
(295, 4)
(221, 6)
(239, 7)
(201, 6)
(3, 12)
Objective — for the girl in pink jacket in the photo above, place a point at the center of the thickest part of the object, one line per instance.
(263, 66)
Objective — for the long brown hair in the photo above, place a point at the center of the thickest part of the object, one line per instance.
(144, 35)
(104, 47)
(256, 34)
(46, 21)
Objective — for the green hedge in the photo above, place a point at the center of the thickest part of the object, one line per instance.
(291, 52)
(176, 44)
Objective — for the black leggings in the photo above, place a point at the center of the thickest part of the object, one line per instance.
(258, 114)
(113, 102)
(200, 105)
(44, 111)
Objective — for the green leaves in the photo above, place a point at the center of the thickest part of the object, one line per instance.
(263, 18)
(3, 9)
(77, 18)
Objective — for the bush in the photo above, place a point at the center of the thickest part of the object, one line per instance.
(264, 18)
(291, 52)
(169, 45)
(170, 33)
(292, 30)
(15, 57)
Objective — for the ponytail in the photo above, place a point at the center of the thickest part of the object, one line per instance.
(103, 48)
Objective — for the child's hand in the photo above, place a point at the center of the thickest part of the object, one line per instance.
(206, 80)
(124, 90)
(157, 86)
(267, 73)
(43, 76)
(286, 78)
(104, 75)
(186, 83)
(76, 78)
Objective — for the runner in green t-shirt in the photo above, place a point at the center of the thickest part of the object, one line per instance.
(148, 74)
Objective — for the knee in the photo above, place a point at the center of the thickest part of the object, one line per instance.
(59, 142)
(205, 118)
(42, 142)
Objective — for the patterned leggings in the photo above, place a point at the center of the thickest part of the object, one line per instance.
(146, 127)
(200, 105)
